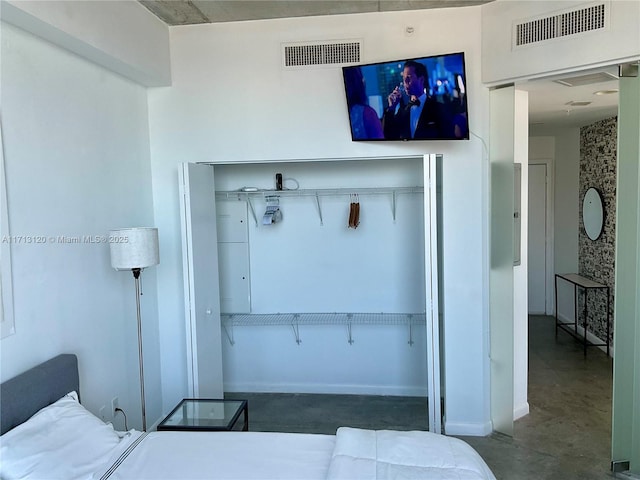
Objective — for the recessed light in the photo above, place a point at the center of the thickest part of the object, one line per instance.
(577, 104)
(606, 92)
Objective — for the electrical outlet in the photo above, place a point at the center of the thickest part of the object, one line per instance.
(103, 413)
(114, 405)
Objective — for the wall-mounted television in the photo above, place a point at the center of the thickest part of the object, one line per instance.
(408, 99)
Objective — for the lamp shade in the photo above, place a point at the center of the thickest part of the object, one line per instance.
(134, 248)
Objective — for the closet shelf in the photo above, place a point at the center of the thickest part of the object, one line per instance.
(296, 319)
(317, 193)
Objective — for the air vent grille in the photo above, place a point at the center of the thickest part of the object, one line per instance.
(325, 53)
(561, 25)
(586, 79)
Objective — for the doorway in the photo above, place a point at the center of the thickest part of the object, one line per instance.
(555, 191)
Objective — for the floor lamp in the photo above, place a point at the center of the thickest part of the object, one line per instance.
(135, 249)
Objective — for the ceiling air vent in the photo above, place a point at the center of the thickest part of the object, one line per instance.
(571, 22)
(586, 79)
(321, 53)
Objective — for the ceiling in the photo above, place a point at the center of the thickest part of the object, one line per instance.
(190, 12)
(573, 99)
(551, 104)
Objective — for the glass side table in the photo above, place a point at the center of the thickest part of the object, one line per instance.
(206, 415)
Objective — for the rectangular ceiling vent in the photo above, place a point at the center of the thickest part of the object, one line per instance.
(338, 52)
(571, 22)
(586, 79)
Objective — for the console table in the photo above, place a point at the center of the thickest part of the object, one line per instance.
(585, 284)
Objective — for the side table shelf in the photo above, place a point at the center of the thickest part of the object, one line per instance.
(230, 320)
(585, 284)
(206, 415)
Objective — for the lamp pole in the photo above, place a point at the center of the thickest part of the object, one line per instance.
(136, 276)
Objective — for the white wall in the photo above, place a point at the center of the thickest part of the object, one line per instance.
(619, 40)
(139, 50)
(231, 101)
(77, 163)
(300, 266)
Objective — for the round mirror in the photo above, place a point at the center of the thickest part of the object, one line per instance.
(592, 213)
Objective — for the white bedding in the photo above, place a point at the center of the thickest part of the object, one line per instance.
(368, 454)
(227, 455)
(352, 454)
(64, 441)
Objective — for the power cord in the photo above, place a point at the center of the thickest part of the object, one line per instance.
(248, 189)
(484, 145)
(291, 180)
(118, 409)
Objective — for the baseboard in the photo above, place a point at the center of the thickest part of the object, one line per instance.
(521, 411)
(590, 336)
(468, 429)
(398, 391)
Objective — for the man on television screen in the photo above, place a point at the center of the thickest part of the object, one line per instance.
(421, 116)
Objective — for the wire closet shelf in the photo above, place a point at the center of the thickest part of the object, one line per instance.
(248, 195)
(295, 320)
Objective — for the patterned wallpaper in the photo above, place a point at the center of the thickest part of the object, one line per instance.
(598, 156)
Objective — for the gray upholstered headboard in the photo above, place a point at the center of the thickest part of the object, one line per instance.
(25, 394)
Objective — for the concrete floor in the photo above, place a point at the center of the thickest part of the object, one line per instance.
(566, 436)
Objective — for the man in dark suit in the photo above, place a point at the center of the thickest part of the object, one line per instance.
(422, 117)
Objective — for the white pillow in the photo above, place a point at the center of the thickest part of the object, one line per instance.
(62, 441)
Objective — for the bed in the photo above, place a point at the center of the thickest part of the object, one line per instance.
(47, 433)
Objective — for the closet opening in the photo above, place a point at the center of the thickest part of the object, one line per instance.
(327, 275)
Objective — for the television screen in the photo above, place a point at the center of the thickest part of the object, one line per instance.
(409, 99)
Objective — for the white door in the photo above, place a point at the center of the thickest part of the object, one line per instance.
(431, 284)
(201, 284)
(537, 238)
